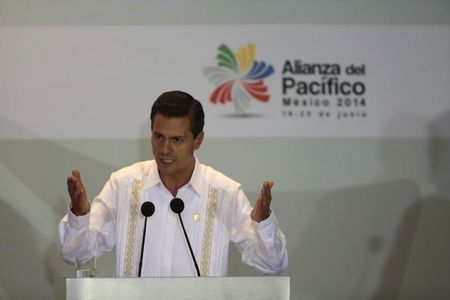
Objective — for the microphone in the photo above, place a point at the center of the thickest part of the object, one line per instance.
(147, 209)
(177, 206)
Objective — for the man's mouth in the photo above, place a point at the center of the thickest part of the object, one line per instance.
(166, 160)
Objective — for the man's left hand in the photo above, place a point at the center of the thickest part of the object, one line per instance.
(262, 205)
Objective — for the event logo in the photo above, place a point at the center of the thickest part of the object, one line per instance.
(323, 90)
(238, 78)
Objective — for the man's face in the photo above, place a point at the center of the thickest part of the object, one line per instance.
(173, 146)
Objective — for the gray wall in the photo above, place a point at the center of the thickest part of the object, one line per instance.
(365, 218)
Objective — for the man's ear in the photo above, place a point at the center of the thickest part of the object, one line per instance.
(198, 140)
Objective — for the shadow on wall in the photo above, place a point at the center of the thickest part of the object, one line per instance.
(29, 258)
(23, 272)
(428, 272)
(340, 241)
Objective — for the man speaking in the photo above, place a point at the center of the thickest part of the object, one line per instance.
(195, 211)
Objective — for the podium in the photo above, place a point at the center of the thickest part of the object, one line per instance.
(186, 288)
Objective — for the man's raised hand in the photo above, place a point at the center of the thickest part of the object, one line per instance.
(78, 196)
(262, 205)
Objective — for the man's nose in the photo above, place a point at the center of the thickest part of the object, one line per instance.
(165, 146)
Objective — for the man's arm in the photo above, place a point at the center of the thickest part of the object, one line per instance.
(259, 239)
(86, 231)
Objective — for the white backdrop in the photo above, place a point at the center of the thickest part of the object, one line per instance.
(99, 82)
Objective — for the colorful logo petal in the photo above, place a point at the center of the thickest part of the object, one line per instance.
(238, 77)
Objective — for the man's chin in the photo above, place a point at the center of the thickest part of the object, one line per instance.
(166, 169)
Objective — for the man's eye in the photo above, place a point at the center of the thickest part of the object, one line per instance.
(158, 137)
(177, 140)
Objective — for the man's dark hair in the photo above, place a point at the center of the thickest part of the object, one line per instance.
(178, 104)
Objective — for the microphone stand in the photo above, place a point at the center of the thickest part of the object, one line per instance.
(189, 244)
(147, 209)
(177, 206)
(142, 247)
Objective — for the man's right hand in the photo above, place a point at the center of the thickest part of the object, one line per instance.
(78, 196)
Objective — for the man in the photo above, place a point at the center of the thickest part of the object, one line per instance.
(216, 209)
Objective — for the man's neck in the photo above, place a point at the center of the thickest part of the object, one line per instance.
(173, 185)
(174, 182)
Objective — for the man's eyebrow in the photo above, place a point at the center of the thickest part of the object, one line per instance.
(169, 136)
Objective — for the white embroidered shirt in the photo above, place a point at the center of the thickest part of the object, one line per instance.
(216, 212)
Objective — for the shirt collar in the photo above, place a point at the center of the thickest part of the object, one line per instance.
(195, 182)
(197, 179)
(153, 178)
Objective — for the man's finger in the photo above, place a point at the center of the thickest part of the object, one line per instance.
(71, 183)
(76, 174)
(266, 191)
